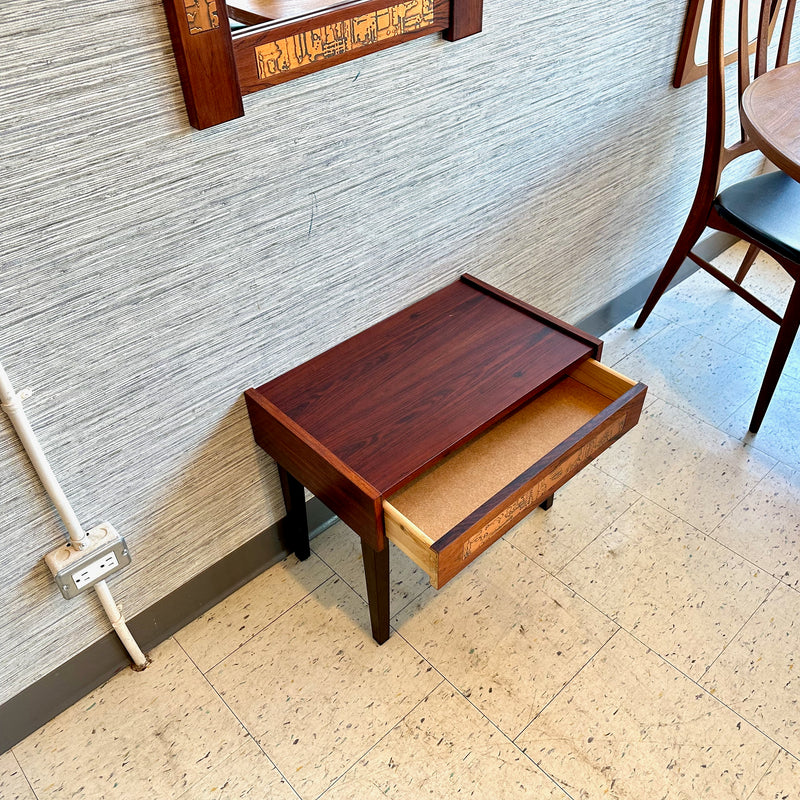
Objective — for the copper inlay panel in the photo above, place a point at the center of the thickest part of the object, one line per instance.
(302, 49)
(201, 15)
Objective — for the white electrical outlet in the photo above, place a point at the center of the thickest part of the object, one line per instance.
(104, 553)
(91, 572)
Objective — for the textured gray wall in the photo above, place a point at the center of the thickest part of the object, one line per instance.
(150, 272)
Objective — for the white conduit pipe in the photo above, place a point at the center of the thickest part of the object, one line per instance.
(118, 623)
(11, 403)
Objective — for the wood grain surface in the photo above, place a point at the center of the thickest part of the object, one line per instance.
(252, 12)
(203, 52)
(391, 401)
(771, 115)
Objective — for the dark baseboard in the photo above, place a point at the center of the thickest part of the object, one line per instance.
(41, 701)
(58, 690)
(622, 306)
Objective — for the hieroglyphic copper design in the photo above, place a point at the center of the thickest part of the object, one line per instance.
(293, 52)
(201, 15)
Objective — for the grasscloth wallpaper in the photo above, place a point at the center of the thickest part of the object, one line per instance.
(150, 272)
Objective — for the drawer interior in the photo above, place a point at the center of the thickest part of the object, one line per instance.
(436, 501)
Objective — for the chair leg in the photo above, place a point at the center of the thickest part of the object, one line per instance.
(747, 262)
(686, 241)
(780, 352)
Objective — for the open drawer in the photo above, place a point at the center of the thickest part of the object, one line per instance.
(502, 475)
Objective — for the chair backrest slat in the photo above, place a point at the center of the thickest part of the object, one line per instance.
(717, 153)
(743, 46)
(786, 34)
(762, 40)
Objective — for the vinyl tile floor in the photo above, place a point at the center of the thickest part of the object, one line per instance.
(639, 640)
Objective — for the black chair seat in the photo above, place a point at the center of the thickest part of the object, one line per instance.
(767, 208)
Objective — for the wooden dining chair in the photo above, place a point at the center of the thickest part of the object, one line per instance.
(764, 210)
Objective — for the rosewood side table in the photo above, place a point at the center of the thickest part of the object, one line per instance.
(440, 427)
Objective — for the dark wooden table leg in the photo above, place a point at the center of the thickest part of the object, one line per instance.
(547, 503)
(294, 497)
(376, 570)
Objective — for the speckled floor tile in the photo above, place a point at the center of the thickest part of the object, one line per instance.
(694, 373)
(779, 435)
(757, 340)
(241, 616)
(757, 675)
(582, 509)
(247, 775)
(677, 590)
(630, 726)
(142, 734)
(766, 279)
(770, 282)
(705, 306)
(340, 547)
(765, 526)
(506, 634)
(316, 691)
(444, 748)
(782, 781)
(623, 339)
(13, 784)
(685, 465)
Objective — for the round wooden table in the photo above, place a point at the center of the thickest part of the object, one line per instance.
(771, 116)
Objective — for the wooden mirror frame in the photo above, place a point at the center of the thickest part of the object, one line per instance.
(217, 67)
(687, 69)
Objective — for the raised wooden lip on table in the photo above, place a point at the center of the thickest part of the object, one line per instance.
(394, 412)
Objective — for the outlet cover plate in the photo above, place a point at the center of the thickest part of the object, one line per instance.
(75, 571)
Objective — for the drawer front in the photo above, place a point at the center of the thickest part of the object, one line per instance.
(446, 557)
(487, 524)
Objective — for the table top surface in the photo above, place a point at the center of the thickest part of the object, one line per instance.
(771, 116)
(252, 12)
(395, 398)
